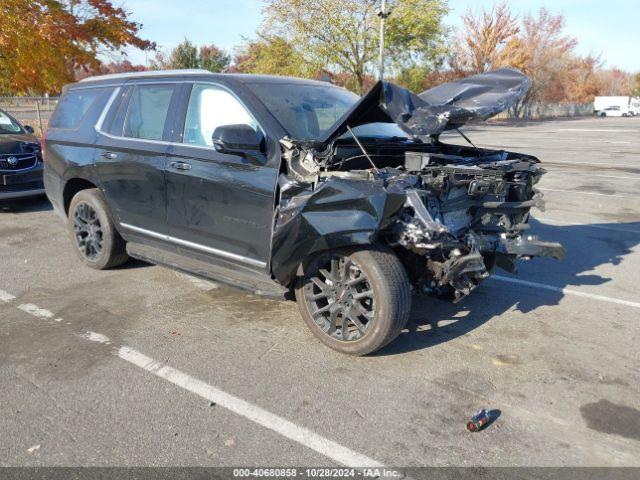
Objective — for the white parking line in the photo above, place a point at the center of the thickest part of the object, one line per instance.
(284, 427)
(567, 291)
(35, 310)
(582, 192)
(96, 337)
(588, 164)
(599, 130)
(582, 174)
(6, 297)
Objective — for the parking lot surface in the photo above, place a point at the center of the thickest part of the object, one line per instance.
(142, 365)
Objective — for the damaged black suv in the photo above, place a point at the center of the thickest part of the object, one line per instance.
(283, 185)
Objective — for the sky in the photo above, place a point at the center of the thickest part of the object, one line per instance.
(610, 28)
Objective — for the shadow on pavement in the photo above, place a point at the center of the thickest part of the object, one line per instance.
(25, 205)
(434, 321)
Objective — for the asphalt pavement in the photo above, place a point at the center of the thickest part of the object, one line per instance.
(145, 366)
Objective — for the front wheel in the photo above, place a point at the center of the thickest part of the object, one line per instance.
(355, 301)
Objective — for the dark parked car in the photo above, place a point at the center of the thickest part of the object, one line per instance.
(283, 185)
(20, 160)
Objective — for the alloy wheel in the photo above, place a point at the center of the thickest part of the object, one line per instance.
(88, 231)
(340, 297)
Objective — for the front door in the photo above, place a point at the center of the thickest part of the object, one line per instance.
(131, 158)
(219, 204)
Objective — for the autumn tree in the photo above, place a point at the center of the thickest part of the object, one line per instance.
(581, 79)
(479, 46)
(545, 53)
(44, 42)
(615, 82)
(117, 66)
(342, 35)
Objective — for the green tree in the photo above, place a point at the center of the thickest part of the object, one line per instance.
(213, 58)
(341, 36)
(272, 56)
(636, 85)
(415, 35)
(185, 55)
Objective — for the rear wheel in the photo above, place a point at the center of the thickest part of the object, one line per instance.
(356, 302)
(96, 241)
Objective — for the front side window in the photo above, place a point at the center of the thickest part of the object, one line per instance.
(8, 124)
(209, 108)
(147, 112)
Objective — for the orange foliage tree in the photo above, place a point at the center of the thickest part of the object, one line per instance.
(43, 43)
(479, 47)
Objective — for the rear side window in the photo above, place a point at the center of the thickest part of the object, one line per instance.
(73, 106)
(147, 112)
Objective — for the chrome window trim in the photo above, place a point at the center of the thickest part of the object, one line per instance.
(196, 246)
(99, 124)
(105, 110)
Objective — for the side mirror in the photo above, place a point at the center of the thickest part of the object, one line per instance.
(29, 129)
(238, 139)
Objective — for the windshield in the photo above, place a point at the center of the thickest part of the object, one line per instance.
(306, 111)
(378, 130)
(8, 124)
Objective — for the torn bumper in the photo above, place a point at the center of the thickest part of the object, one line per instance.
(527, 247)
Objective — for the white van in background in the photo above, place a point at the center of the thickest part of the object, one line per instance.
(627, 106)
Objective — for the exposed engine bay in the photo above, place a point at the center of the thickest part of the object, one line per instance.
(451, 213)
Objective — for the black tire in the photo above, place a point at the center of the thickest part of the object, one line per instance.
(92, 232)
(370, 320)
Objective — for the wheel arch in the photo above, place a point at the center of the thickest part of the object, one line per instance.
(340, 213)
(72, 187)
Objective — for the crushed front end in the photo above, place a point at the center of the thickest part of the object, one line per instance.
(451, 213)
(461, 220)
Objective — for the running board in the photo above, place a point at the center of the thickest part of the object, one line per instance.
(257, 283)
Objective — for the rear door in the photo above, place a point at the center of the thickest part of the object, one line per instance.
(218, 204)
(132, 154)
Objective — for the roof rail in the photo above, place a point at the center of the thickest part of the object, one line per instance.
(147, 73)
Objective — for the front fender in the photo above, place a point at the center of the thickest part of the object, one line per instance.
(338, 213)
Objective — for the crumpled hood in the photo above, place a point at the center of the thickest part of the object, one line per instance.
(441, 108)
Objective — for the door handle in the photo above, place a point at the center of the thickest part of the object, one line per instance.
(109, 155)
(180, 165)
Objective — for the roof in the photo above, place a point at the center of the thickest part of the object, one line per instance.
(148, 73)
(242, 77)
